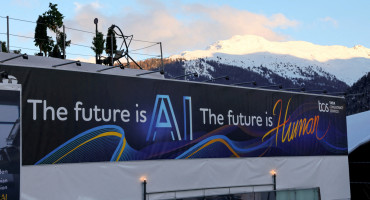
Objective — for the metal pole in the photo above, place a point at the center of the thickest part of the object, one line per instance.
(274, 180)
(96, 36)
(160, 44)
(111, 43)
(7, 32)
(64, 42)
(144, 192)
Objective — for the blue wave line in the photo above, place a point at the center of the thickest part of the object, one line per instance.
(230, 142)
(117, 151)
(333, 147)
(120, 130)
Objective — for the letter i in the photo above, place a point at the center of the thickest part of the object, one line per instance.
(188, 121)
(137, 113)
(267, 121)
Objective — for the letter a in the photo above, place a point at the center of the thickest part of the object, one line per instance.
(157, 116)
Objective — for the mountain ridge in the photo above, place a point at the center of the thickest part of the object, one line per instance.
(346, 64)
(246, 44)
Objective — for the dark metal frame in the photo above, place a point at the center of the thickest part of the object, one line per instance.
(275, 191)
(124, 51)
(145, 193)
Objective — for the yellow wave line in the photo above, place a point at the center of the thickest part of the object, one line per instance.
(213, 141)
(123, 147)
(96, 137)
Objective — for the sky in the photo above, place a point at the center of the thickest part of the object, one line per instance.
(189, 25)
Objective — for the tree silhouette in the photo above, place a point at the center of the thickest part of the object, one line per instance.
(57, 51)
(3, 47)
(53, 20)
(42, 40)
(98, 44)
(108, 44)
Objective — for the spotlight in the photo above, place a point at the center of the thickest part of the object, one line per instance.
(100, 70)
(222, 77)
(143, 180)
(24, 56)
(318, 91)
(195, 75)
(267, 86)
(151, 72)
(299, 89)
(78, 63)
(245, 83)
(273, 173)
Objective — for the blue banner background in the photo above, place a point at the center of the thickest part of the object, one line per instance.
(143, 119)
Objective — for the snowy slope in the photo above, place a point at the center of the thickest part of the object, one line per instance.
(287, 59)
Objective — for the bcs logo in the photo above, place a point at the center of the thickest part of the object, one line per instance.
(323, 107)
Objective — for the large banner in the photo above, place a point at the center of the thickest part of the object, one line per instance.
(10, 137)
(73, 117)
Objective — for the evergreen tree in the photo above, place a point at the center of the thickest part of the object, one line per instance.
(360, 102)
(3, 47)
(98, 44)
(53, 20)
(42, 40)
(108, 44)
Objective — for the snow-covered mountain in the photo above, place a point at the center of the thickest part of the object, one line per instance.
(292, 60)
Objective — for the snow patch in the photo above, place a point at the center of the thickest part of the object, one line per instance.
(292, 59)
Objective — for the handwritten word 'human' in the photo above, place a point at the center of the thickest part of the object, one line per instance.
(292, 130)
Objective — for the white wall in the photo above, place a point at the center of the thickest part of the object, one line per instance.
(358, 126)
(111, 181)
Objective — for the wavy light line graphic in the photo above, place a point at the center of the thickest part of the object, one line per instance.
(103, 135)
(213, 141)
(230, 145)
(329, 145)
(96, 137)
(122, 149)
(108, 143)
